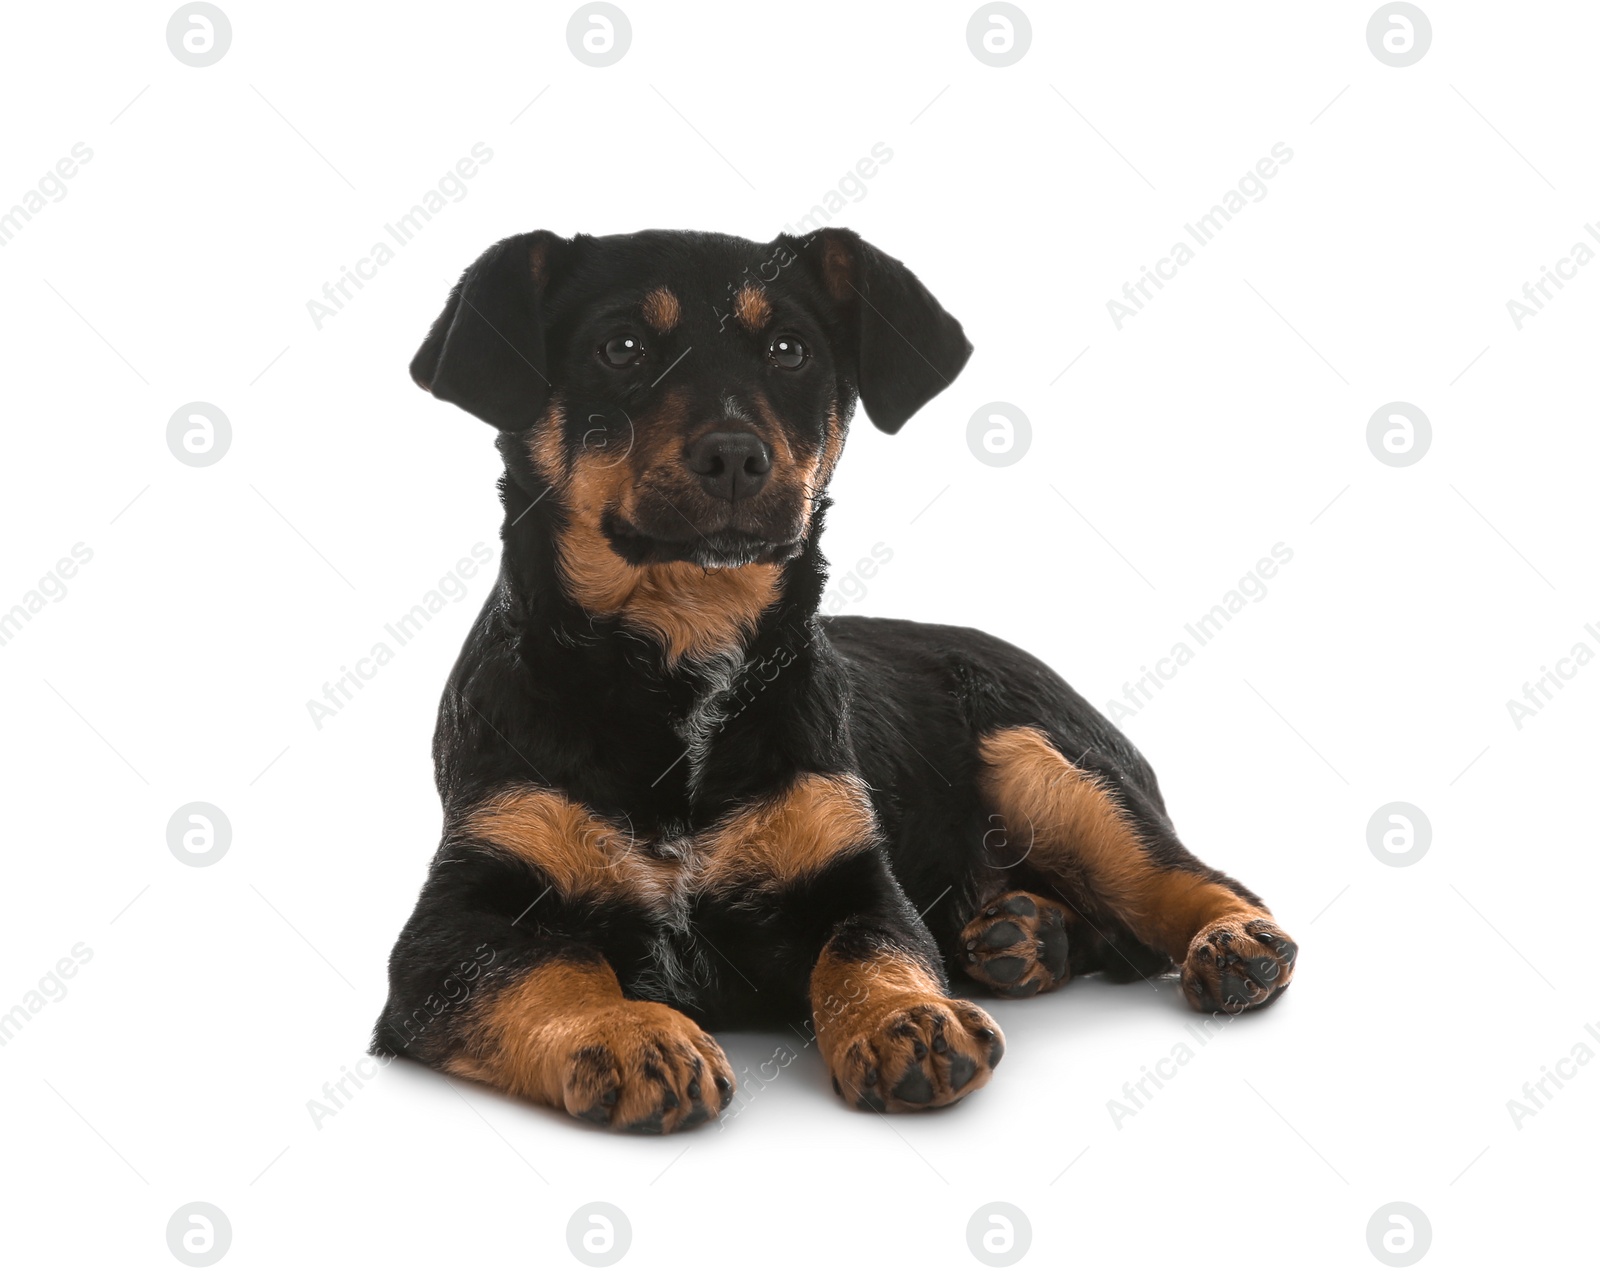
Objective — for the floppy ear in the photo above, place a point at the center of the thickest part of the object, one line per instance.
(907, 348)
(485, 351)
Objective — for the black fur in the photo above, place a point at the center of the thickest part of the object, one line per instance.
(547, 693)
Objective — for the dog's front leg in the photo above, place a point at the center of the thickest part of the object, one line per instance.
(562, 1034)
(893, 1037)
(499, 979)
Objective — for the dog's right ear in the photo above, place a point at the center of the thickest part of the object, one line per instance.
(485, 351)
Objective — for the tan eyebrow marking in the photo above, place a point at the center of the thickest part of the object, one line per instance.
(662, 310)
(750, 306)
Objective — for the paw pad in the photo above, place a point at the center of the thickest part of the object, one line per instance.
(925, 1054)
(1238, 964)
(1018, 945)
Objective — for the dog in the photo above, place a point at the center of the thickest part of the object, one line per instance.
(676, 797)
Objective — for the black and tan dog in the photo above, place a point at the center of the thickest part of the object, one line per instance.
(675, 797)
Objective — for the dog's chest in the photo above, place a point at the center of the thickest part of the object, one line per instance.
(714, 702)
(671, 875)
(679, 876)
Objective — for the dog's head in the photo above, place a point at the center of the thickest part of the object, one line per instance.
(686, 395)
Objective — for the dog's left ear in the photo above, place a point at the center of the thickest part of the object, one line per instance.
(485, 351)
(906, 348)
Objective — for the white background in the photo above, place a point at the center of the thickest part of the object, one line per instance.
(1228, 416)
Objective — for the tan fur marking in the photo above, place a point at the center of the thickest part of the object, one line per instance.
(563, 1034)
(838, 267)
(832, 448)
(545, 444)
(803, 473)
(849, 998)
(893, 1038)
(782, 840)
(539, 260)
(521, 1037)
(1077, 826)
(769, 844)
(691, 612)
(662, 310)
(580, 853)
(751, 307)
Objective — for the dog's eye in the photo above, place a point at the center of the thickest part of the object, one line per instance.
(623, 350)
(787, 352)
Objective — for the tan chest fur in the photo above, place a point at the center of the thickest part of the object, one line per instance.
(763, 847)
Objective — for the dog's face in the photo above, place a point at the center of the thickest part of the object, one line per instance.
(686, 395)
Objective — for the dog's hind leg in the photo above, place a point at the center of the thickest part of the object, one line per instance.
(1110, 853)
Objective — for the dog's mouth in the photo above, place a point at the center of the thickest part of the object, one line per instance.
(728, 547)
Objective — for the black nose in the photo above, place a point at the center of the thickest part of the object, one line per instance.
(730, 465)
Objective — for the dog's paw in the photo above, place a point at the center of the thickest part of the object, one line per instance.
(643, 1068)
(922, 1055)
(1237, 964)
(1017, 945)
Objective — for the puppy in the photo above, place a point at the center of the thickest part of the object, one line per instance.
(676, 798)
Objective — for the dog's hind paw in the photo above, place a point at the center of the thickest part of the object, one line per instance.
(1017, 945)
(1238, 964)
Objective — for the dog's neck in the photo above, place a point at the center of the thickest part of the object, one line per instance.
(682, 739)
(564, 582)
(694, 614)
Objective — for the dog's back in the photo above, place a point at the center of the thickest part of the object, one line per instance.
(676, 797)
